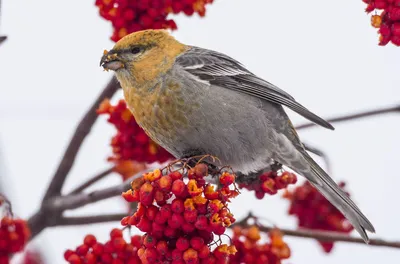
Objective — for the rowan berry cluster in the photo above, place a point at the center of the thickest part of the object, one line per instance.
(14, 234)
(115, 251)
(270, 183)
(250, 249)
(181, 216)
(388, 21)
(314, 211)
(128, 16)
(130, 143)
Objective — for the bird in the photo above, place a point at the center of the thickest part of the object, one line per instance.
(195, 101)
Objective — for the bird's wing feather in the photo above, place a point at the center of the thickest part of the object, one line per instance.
(220, 69)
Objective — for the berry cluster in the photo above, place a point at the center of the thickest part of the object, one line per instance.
(130, 143)
(250, 250)
(314, 211)
(128, 16)
(388, 21)
(181, 216)
(14, 234)
(114, 251)
(270, 182)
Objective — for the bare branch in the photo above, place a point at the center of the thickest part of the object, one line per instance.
(370, 113)
(90, 219)
(325, 236)
(2, 39)
(78, 200)
(91, 181)
(83, 129)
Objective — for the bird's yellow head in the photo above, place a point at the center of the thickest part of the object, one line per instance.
(141, 57)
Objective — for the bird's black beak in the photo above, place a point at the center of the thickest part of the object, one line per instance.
(111, 61)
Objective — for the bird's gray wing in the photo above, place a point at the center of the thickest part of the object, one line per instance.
(221, 70)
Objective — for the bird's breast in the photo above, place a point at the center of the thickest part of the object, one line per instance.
(161, 110)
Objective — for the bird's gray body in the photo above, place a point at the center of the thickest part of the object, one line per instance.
(238, 117)
(242, 131)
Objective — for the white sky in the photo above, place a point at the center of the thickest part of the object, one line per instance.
(323, 53)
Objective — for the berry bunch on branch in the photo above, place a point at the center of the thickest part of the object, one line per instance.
(14, 232)
(128, 16)
(386, 18)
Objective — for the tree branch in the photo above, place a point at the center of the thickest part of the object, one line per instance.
(2, 39)
(343, 118)
(82, 130)
(74, 201)
(90, 219)
(91, 181)
(325, 236)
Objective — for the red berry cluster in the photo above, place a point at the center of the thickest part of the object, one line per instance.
(314, 211)
(270, 182)
(114, 251)
(181, 216)
(130, 143)
(14, 234)
(251, 251)
(128, 16)
(388, 21)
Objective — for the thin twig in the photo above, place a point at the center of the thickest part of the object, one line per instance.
(90, 219)
(370, 113)
(78, 200)
(83, 129)
(325, 236)
(91, 181)
(2, 38)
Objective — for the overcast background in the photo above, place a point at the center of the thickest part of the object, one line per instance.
(324, 53)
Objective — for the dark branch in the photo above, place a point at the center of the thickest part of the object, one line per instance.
(91, 181)
(355, 116)
(83, 129)
(2, 39)
(321, 235)
(78, 200)
(90, 219)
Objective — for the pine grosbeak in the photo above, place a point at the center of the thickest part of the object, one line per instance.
(194, 101)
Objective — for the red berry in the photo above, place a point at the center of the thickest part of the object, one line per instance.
(176, 221)
(146, 194)
(165, 183)
(197, 243)
(90, 240)
(178, 188)
(149, 241)
(177, 206)
(190, 256)
(201, 223)
(162, 247)
(182, 244)
(190, 216)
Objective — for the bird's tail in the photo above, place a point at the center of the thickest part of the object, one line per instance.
(332, 192)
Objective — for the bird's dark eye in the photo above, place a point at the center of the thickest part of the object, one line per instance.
(136, 50)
